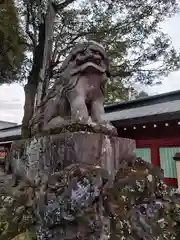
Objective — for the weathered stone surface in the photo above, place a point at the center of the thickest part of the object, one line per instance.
(82, 202)
(32, 159)
(136, 205)
(88, 187)
(16, 211)
(78, 92)
(43, 167)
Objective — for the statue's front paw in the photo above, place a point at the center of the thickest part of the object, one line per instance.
(82, 120)
(109, 127)
(106, 123)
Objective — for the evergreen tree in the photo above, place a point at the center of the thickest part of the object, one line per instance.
(11, 42)
(129, 30)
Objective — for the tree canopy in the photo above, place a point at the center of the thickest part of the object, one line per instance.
(11, 42)
(129, 30)
(139, 50)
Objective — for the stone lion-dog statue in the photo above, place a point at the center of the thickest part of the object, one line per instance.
(78, 92)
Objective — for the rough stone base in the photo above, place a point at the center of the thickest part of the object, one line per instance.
(82, 201)
(32, 158)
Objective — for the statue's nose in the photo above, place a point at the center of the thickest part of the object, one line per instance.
(89, 53)
(97, 56)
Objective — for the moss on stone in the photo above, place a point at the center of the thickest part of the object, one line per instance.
(77, 127)
(137, 204)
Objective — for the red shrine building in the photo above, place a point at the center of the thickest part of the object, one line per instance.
(154, 122)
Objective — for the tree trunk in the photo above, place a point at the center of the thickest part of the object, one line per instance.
(30, 93)
(36, 80)
(44, 72)
(33, 80)
(37, 84)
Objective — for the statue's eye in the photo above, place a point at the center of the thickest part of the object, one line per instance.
(73, 58)
(98, 53)
(94, 52)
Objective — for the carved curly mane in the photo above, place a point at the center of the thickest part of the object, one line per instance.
(65, 76)
(85, 62)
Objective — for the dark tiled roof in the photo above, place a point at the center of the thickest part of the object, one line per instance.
(146, 101)
(5, 124)
(157, 105)
(144, 111)
(11, 131)
(12, 123)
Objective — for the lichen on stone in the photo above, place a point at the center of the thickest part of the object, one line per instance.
(80, 127)
(83, 202)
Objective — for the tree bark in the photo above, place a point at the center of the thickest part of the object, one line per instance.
(36, 84)
(44, 72)
(33, 80)
(30, 93)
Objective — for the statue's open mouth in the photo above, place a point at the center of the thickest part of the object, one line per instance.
(92, 65)
(89, 64)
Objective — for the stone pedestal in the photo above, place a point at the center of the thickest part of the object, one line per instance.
(48, 154)
(66, 191)
(67, 173)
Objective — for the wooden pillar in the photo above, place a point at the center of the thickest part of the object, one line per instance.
(155, 158)
(177, 159)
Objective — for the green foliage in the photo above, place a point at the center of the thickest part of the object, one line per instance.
(116, 91)
(129, 30)
(11, 42)
(25, 236)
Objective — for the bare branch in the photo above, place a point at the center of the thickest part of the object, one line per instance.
(61, 6)
(28, 25)
(56, 44)
(33, 22)
(70, 44)
(121, 73)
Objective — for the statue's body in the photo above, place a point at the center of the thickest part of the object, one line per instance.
(78, 93)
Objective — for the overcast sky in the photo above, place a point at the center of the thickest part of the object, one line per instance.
(12, 96)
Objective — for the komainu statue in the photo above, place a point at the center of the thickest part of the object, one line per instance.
(78, 93)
